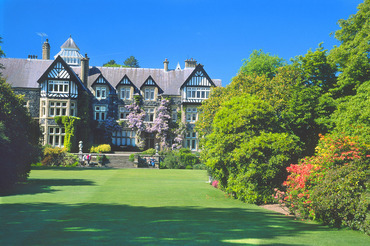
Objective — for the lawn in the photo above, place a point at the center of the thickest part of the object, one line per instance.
(146, 207)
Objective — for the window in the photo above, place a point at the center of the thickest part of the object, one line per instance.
(191, 140)
(101, 92)
(73, 109)
(57, 108)
(149, 116)
(191, 114)
(125, 93)
(58, 86)
(197, 92)
(100, 112)
(174, 115)
(123, 138)
(56, 136)
(149, 94)
(43, 108)
(123, 113)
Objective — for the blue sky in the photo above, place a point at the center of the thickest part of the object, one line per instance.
(218, 34)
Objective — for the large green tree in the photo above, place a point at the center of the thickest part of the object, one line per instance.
(352, 56)
(19, 137)
(247, 150)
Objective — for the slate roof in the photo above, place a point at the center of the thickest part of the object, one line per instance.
(24, 72)
(170, 82)
(69, 44)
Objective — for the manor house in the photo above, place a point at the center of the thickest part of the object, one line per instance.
(56, 87)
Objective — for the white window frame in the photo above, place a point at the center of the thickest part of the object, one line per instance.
(149, 114)
(58, 86)
(191, 114)
(197, 92)
(56, 136)
(191, 140)
(101, 92)
(100, 112)
(149, 94)
(57, 108)
(73, 107)
(124, 137)
(125, 93)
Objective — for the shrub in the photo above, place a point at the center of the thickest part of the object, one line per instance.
(53, 156)
(200, 166)
(339, 199)
(180, 159)
(102, 159)
(132, 157)
(103, 148)
(215, 184)
(149, 152)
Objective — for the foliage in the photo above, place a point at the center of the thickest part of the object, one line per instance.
(112, 63)
(180, 159)
(352, 116)
(200, 166)
(246, 151)
(352, 55)
(70, 124)
(131, 157)
(161, 123)
(150, 151)
(340, 198)
(136, 122)
(19, 137)
(260, 63)
(109, 126)
(330, 185)
(131, 62)
(102, 159)
(55, 156)
(83, 132)
(103, 148)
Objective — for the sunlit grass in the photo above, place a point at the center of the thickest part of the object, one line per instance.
(146, 207)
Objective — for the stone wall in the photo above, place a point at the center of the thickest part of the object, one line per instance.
(32, 98)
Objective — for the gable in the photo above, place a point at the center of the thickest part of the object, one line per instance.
(198, 77)
(59, 69)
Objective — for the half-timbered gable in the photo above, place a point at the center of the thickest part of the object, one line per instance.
(59, 81)
(150, 89)
(102, 88)
(126, 89)
(197, 87)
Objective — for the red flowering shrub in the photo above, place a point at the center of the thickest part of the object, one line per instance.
(310, 183)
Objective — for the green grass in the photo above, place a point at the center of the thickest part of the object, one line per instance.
(146, 207)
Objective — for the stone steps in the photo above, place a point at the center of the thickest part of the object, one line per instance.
(119, 161)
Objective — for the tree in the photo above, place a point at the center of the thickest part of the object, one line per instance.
(131, 62)
(246, 150)
(353, 55)
(260, 63)
(112, 63)
(19, 137)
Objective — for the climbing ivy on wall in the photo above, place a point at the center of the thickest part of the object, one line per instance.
(70, 124)
(84, 130)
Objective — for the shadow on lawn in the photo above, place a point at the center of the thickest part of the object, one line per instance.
(97, 224)
(34, 186)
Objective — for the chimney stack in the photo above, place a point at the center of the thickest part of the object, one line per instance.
(46, 50)
(189, 63)
(166, 65)
(85, 69)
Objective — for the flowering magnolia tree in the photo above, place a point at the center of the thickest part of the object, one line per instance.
(161, 124)
(136, 121)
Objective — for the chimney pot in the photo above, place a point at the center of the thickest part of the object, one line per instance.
(166, 65)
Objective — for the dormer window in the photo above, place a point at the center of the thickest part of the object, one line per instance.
(149, 94)
(197, 92)
(125, 93)
(101, 92)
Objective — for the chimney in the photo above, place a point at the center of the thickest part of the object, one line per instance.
(166, 65)
(84, 69)
(46, 50)
(189, 63)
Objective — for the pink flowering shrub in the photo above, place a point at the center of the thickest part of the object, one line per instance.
(215, 184)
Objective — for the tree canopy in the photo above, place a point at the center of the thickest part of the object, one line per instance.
(131, 62)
